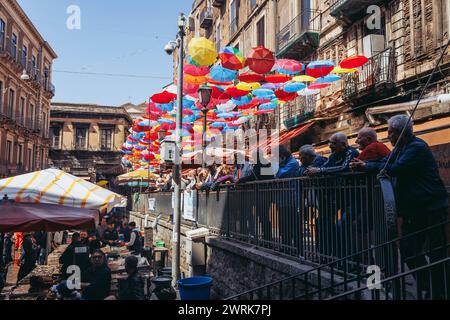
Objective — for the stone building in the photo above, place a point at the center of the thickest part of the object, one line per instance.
(402, 39)
(25, 92)
(135, 111)
(86, 139)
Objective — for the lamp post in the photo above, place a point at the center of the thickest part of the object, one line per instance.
(204, 95)
(170, 48)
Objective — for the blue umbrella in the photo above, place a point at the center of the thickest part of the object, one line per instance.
(329, 78)
(242, 100)
(218, 124)
(165, 121)
(225, 115)
(262, 92)
(222, 74)
(288, 72)
(165, 107)
(294, 87)
(268, 106)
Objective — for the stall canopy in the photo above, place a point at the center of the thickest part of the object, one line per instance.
(54, 186)
(28, 217)
(139, 175)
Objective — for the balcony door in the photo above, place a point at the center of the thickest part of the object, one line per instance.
(81, 138)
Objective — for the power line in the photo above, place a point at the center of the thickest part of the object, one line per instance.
(112, 74)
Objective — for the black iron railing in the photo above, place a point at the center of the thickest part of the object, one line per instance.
(307, 21)
(298, 111)
(348, 276)
(379, 70)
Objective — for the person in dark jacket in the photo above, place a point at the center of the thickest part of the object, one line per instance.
(341, 157)
(93, 241)
(133, 287)
(8, 248)
(135, 243)
(421, 198)
(261, 169)
(41, 242)
(96, 280)
(309, 158)
(111, 236)
(28, 258)
(77, 253)
(289, 166)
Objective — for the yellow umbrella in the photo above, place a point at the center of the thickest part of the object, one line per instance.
(202, 51)
(102, 183)
(304, 78)
(245, 86)
(339, 70)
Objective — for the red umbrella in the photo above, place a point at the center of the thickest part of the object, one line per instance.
(285, 96)
(236, 93)
(212, 81)
(315, 86)
(263, 111)
(261, 60)
(190, 88)
(163, 97)
(195, 71)
(354, 62)
(250, 105)
(29, 217)
(152, 110)
(277, 78)
(289, 65)
(251, 77)
(231, 61)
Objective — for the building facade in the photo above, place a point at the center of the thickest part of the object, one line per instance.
(402, 39)
(24, 104)
(136, 111)
(86, 139)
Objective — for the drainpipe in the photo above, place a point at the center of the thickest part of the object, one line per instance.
(274, 4)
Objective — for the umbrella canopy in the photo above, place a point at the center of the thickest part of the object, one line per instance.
(137, 175)
(202, 51)
(54, 186)
(232, 58)
(163, 97)
(222, 74)
(304, 78)
(277, 78)
(320, 68)
(251, 77)
(29, 217)
(290, 65)
(195, 71)
(354, 62)
(261, 60)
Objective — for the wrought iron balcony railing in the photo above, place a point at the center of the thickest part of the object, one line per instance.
(380, 70)
(305, 27)
(206, 18)
(298, 111)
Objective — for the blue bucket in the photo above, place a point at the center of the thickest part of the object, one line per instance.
(196, 288)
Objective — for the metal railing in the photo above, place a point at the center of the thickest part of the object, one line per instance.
(335, 4)
(306, 21)
(206, 18)
(348, 276)
(301, 109)
(379, 70)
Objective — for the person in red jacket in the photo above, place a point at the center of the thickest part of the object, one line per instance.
(371, 149)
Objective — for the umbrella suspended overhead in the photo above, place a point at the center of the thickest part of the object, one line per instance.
(277, 78)
(195, 80)
(248, 86)
(195, 71)
(294, 87)
(236, 93)
(320, 68)
(304, 78)
(354, 62)
(232, 58)
(202, 51)
(163, 97)
(261, 60)
(292, 66)
(339, 70)
(222, 74)
(251, 77)
(316, 85)
(328, 79)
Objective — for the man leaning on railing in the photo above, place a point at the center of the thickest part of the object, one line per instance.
(421, 197)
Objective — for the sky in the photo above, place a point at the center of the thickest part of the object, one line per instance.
(115, 37)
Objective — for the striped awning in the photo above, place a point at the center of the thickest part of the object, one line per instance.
(54, 186)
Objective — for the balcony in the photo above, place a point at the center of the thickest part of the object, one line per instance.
(218, 3)
(300, 37)
(298, 111)
(374, 81)
(206, 19)
(10, 53)
(351, 10)
(49, 88)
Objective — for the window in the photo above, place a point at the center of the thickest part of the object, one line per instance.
(2, 34)
(261, 32)
(22, 111)
(20, 155)
(46, 73)
(24, 56)
(81, 138)
(218, 36)
(9, 151)
(252, 4)
(106, 138)
(31, 119)
(12, 97)
(34, 66)
(233, 17)
(14, 46)
(55, 133)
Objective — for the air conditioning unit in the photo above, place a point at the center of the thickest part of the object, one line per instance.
(373, 44)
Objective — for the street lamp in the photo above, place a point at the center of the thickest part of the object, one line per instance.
(204, 95)
(170, 48)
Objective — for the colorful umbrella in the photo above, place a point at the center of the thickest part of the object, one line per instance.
(277, 78)
(308, 92)
(261, 60)
(235, 92)
(328, 79)
(285, 96)
(320, 68)
(289, 65)
(195, 71)
(190, 88)
(304, 78)
(248, 86)
(354, 62)
(242, 100)
(163, 97)
(222, 74)
(316, 85)
(195, 80)
(294, 87)
(232, 58)
(339, 70)
(202, 51)
(251, 77)
(263, 92)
